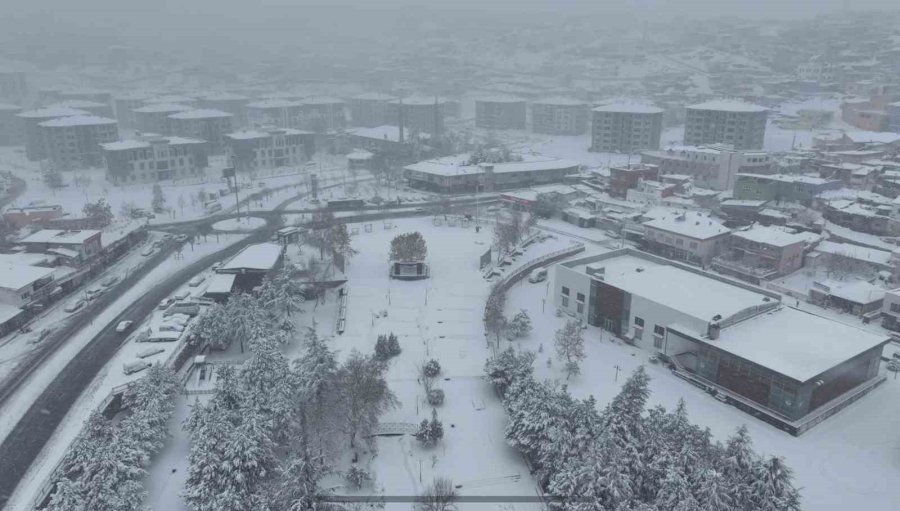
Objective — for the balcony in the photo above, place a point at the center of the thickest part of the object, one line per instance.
(743, 268)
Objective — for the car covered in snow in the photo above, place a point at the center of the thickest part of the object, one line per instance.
(74, 306)
(124, 326)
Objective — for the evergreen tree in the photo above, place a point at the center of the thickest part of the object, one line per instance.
(158, 203)
(569, 343)
(509, 367)
(519, 326)
(713, 492)
(773, 488)
(738, 467)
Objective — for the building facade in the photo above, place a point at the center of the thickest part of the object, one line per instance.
(453, 174)
(625, 128)
(739, 124)
(154, 118)
(761, 253)
(322, 114)
(715, 166)
(500, 113)
(265, 149)
(203, 124)
(370, 110)
(30, 129)
(688, 236)
(154, 158)
(420, 114)
(280, 113)
(234, 104)
(782, 187)
(74, 142)
(559, 116)
(626, 177)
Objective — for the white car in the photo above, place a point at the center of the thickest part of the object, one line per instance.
(124, 325)
(74, 306)
(196, 281)
(147, 252)
(109, 281)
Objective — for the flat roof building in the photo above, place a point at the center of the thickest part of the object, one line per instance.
(789, 367)
(203, 124)
(235, 104)
(500, 113)
(713, 166)
(625, 127)
(154, 118)
(269, 148)
(454, 174)
(74, 142)
(782, 187)
(149, 159)
(559, 116)
(125, 104)
(370, 110)
(92, 107)
(688, 236)
(29, 122)
(728, 122)
(281, 113)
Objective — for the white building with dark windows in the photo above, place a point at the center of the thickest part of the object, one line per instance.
(281, 113)
(785, 366)
(30, 129)
(203, 124)
(269, 148)
(740, 124)
(714, 166)
(74, 142)
(689, 236)
(154, 158)
(625, 127)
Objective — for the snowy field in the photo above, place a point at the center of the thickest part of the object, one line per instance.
(244, 224)
(850, 461)
(110, 377)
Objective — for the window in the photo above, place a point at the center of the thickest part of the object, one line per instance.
(565, 301)
(679, 242)
(579, 307)
(693, 245)
(638, 334)
(639, 321)
(658, 330)
(565, 291)
(895, 307)
(658, 342)
(579, 297)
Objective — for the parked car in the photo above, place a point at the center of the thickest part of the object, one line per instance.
(196, 281)
(537, 275)
(181, 238)
(124, 325)
(181, 295)
(185, 308)
(164, 304)
(136, 366)
(147, 251)
(149, 352)
(74, 306)
(94, 292)
(111, 280)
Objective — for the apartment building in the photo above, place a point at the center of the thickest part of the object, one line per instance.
(890, 310)
(370, 110)
(74, 142)
(234, 104)
(269, 148)
(149, 159)
(421, 114)
(559, 116)
(280, 113)
(729, 337)
(30, 129)
(500, 113)
(761, 253)
(322, 114)
(739, 124)
(625, 127)
(10, 132)
(154, 117)
(125, 103)
(715, 166)
(203, 124)
(689, 236)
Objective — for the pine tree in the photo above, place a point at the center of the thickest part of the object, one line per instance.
(519, 326)
(508, 367)
(675, 493)
(773, 488)
(738, 465)
(713, 493)
(159, 200)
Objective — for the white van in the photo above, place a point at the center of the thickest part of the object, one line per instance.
(538, 275)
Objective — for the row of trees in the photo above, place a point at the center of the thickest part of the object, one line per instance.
(106, 465)
(510, 230)
(626, 457)
(267, 437)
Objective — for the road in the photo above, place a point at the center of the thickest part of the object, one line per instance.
(26, 440)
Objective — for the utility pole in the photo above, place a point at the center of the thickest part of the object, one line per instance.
(617, 368)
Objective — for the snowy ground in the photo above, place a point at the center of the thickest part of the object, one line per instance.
(848, 462)
(111, 376)
(244, 224)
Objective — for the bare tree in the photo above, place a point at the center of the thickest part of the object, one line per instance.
(439, 496)
(570, 347)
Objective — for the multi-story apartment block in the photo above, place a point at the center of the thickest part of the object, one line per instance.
(322, 113)
(235, 104)
(74, 142)
(10, 132)
(30, 129)
(559, 116)
(715, 166)
(370, 110)
(281, 113)
(625, 127)
(269, 148)
(419, 114)
(125, 104)
(890, 311)
(154, 118)
(154, 158)
(500, 113)
(761, 253)
(209, 125)
(688, 236)
(728, 122)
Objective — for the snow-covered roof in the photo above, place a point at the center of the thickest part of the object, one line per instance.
(498, 98)
(876, 137)
(65, 252)
(456, 165)
(753, 203)
(254, 134)
(201, 113)
(262, 256)
(321, 100)
(728, 105)
(857, 291)
(689, 223)
(162, 108)
(769, 236)
(360, 155)
(795, 343)
(386, 132)
(169, 98)
(220, 283)
(560, 101)
(374, 96)
(17, 276)
(60, 237)
(52, 113)
(857, 252)
(223, 96)
(77, 103)
(273, 103)
(77, 120)
(788, 178)
(124, 145)
(419, 100)
(629, 107)
(26, 258)
(666, 285)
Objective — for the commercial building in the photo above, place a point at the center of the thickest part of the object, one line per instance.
(154, 118)
(235, 104)
(208, 125)
(559, 116)
(370, 110)
(761, 253)
(76, 247)
(250, 266)
(281, 113)
(29, 122)
(715, 166)
(153, 158)
(782, 187)
(689, 236)
(500, 113)
(74, 142)
(788, 367)
(625, 127)
(739, 124)
(10, 132)
(265, 149)
(454, 174)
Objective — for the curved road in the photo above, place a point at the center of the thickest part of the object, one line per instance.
(26, 440)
